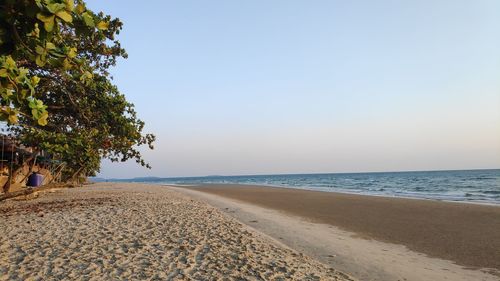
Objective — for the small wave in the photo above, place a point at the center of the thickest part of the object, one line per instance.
(482, 178)
(491, 191)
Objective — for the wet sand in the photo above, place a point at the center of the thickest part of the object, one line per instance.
(468, 234)
(139, 232)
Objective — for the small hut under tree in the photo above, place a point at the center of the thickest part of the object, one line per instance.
(18, 162)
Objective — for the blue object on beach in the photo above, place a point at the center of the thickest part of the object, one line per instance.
(35, 180)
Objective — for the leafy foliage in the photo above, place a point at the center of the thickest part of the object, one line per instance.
(56, 91)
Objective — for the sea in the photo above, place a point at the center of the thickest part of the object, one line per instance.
(478, 186)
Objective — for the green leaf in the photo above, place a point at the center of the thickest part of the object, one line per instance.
(10, 64)
(55, 7)
(57, 54)
(44, 17)
(35, 114)
(13, 117)
(35, 80)
(42, 121)
(3, 72)
(72, 52)
(50, 46)
(39, 104)
(32, 103)
(65, 16)
(49, 26)
(102, 25)
(69, 5)
(66, 64)
(80, 8)
(36, 31)
(88, 19)
(23, 94)
(40, 50)
(39, 4)
(47, 19)
(7, 94)
(22, 75)
(40, 60)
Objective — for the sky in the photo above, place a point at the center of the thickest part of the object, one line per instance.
(284, 86)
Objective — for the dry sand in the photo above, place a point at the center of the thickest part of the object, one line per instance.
(139, 232)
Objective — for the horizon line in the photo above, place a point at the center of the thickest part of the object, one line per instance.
(319, 173)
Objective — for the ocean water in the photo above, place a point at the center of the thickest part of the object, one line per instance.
(481, 186)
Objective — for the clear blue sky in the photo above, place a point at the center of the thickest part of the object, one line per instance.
(283, 86)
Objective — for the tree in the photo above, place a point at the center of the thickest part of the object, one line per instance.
(56, 90)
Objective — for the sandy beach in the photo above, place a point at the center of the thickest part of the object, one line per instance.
(118, 231)
(139, 232)
(466, 236)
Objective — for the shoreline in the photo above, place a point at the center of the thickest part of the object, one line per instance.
(489, 203)
(464, 233)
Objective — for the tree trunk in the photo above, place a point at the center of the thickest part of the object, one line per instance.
(16, 194)
(12, 175)
(77, 173)
(57, 173)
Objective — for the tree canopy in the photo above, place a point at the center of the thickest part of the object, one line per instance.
(56, 91)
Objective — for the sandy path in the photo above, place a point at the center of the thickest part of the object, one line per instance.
(137, 232)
